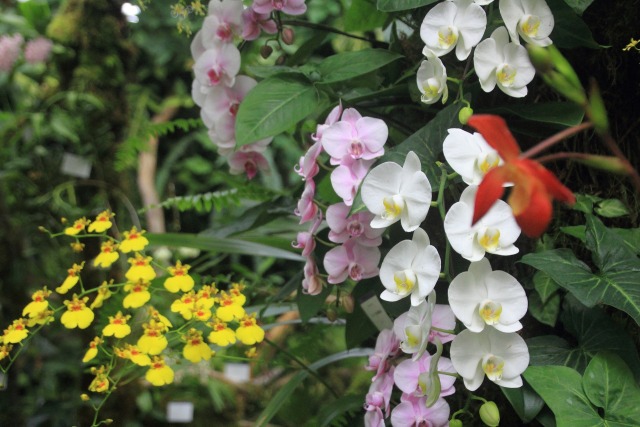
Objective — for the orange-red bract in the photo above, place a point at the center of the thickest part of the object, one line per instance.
(534, 187)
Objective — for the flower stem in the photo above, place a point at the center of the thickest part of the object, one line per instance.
(554, 139)
(327, 29)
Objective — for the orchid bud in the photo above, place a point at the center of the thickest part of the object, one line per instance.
(288, 36)
(607, 163)
(281, 59)
(490, 414)
(464, 114)
(455, 423)
(597, 111)
(266, 51)
(332, 314)
(347, 303)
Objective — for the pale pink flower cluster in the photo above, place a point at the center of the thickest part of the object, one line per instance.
(10, 50)
(257, 17)
(37, 50)
(422, 401)
(353, 142)
(218, 89)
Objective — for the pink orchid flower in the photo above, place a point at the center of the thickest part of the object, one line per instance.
(378, 399)
(305, 239)
(410, 376)
(218, 65)
(347, 177)
(308, 167)
(412, 411)
(387, 346)
(351, 260)
(290, 7)
(442, 318)
(355, 137)
(307, 209)
(224, 21)
(249, 162)
(311, 284)
(333, 117)
(253, 22)
(344, 227)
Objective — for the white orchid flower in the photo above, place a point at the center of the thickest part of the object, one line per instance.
(432, 79)
(457, 24)
(394, 193)
(469, 155)
(494, 233)
(505, 64)
(501, 357)
(480, 297)
(411, 267)
(413, 327)
(531, 19)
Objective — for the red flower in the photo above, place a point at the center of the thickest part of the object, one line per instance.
(534, 186)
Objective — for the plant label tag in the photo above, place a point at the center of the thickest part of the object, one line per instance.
(179, 412)
(77, 166)
(237, 372)
(375, 312)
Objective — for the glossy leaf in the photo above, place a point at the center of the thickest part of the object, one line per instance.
(545, 312)
(544, 286)
(611, 208)
(579, 6)
(395, 5)
(616, 283)
(569, 30)
(275, 105)
(609, 384)
(560, 113)
(593, 331)
(525, 401)
(347, 65)
(213, 244)
(561, 389)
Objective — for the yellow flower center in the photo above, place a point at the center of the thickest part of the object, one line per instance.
(431, 88)
(489, 239)
(447, 37)
(529, 24)
(393, 207)
(405, 281)
(493, 366)
(490, 161)
(506, 75)
(490, 311)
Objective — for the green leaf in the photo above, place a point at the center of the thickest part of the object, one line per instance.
(309, 305)
(285, 392)
(579, 6)
(617, 282)
(335, 409)
(593, 331)
(577, 231)
(363, 16)
(395, 5)
(275, 105)
(347, 65)
(545, 312)
(611, 208)
(584, 203)
(561, 389)
(545, 286)
(225, 246)
(569, 30)
(525, 401)
(37, 13)
(609, 384)
(560, 113)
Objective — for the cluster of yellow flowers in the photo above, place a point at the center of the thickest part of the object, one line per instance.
(204, 310)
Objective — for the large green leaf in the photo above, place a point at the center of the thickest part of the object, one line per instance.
(609, 384)
(395, 5)
(273, 106)
(285, 392)
(616, 283)
(561, 389)
(347, 65)
(560, 113)
(227, 246)
(544, 286)
(569, 30)
(525, 401)
(593, 332)
(579, 6)
(545, 312)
